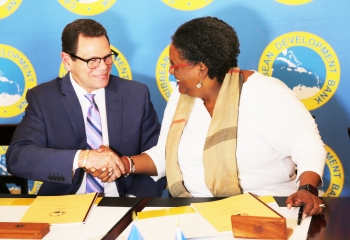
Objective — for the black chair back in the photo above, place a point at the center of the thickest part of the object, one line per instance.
(6, 132)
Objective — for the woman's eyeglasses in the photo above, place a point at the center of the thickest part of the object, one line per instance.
(173, 67)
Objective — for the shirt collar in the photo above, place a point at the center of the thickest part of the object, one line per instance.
(81, 91)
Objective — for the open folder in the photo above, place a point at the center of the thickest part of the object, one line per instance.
(218, 213)
(60, 209)
(194, 225)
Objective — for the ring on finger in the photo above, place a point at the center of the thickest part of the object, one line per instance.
(323, 206)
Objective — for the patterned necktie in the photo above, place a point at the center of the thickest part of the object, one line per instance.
(94, 141)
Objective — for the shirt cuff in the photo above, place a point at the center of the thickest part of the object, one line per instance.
(75, 161)
(160, 164)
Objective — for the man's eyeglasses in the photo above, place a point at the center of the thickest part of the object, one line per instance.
(173, 67)
(93, 63)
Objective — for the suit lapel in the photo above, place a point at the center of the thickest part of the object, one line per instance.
(71, 103)
(114, 111)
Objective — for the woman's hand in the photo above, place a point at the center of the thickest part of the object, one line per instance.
(312, 204)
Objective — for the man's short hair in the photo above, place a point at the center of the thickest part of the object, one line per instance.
(85, 27)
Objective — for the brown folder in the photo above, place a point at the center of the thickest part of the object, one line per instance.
(259, 227)
(23, 230)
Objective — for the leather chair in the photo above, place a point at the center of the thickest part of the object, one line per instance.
(3, 187)
(6, 132)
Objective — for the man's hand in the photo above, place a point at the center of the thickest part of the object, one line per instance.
(311, 202)
(103, 163)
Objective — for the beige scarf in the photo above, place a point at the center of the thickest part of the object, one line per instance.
(219, 156)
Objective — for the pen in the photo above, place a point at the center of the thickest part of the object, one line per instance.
(300, 214)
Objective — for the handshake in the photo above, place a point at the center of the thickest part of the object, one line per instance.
(104, 164)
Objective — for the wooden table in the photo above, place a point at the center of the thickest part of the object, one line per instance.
(333, 225)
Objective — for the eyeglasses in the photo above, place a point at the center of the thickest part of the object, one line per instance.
(93, 63)
(173, 67)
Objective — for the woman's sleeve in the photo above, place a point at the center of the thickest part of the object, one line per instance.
(157, 153)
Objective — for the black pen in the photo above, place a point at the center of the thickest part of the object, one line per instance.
(300, 214)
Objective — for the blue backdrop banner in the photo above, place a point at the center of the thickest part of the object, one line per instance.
(302, 42)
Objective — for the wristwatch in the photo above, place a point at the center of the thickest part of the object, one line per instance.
(310, 188)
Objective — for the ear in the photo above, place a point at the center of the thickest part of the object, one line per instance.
(67, 61)
(203, 70)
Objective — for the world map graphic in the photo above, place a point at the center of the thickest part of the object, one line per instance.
(301, 69)
(11, 83)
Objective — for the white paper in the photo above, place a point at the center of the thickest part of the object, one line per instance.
(194, 227)
(100, 221)
(12, 213)
(299, 231)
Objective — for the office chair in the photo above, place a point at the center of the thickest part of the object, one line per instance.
(3, 187)
(6, 132)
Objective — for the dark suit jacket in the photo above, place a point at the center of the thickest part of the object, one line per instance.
(52, 130)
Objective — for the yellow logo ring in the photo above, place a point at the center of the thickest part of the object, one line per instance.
(87, 9)
(162, 74)
(336, 174)
(317, 44)
(187, 5)
(36, 187)
(9, 7)
(29, 75)
(3, 150)
(294, 2)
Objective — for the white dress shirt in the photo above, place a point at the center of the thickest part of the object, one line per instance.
(110, 189)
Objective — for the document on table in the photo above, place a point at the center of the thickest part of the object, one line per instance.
(218, 213)
(60, 209)
(194, 226)
(100, 221)
(164, 227)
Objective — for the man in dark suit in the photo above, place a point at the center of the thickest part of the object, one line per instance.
(50, 142)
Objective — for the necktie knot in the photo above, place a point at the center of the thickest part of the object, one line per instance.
(90, 97)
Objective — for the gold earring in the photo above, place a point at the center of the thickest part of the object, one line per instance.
(199, 85)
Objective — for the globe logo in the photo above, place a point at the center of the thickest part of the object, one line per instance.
(17, 75)
(304, 62)
(11, 83)
(301, 69)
